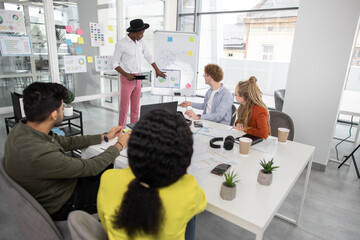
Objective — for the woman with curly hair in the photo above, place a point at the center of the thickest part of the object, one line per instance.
(253, 115)
(154, 198)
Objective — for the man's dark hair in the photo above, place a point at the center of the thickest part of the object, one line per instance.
(159, 152)
(41, 99)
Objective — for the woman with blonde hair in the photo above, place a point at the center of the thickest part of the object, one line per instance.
(253, 115)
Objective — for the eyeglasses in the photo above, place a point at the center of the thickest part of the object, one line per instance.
(204, 74)
(234, 95)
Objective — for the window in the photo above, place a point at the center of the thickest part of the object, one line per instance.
(267, 52)
(245, 42)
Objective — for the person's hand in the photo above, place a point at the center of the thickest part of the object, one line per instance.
(161, 74)
(192, 114)
(114, 132)
(239, 127)
(130, 76)
(123, 139)
(185, 104)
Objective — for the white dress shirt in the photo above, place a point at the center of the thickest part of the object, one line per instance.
(128, 53)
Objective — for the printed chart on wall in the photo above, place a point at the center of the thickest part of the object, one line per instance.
(75, 64)
(97, 34)
(15, 45)
(11, 21)
(103, 63)
(176, 53)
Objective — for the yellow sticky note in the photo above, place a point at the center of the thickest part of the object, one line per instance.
(90, 59)
(110, 28)
(111, 40)
(191, 39)
(189, 53)
(81, 40)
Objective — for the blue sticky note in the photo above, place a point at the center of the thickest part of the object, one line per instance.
(68, 42)
(170, 39)
(78, 50)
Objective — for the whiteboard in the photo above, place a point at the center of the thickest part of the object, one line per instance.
(176, 53)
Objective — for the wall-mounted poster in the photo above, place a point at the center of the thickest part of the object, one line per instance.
(11, 21)
(15, 45)
(75, 64)
(103, 63)
(97, 34)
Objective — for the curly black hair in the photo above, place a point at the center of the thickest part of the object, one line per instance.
(159, 151)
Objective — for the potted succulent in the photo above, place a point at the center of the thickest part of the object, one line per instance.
(68, 109)
(228, 188)
(265, 175)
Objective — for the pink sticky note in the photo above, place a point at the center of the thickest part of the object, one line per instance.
(188, 86)
(79, 31)
(68, 29)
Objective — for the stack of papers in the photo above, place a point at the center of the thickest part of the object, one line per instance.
(266, 146)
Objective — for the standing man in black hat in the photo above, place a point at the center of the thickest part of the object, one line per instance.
(127, 61)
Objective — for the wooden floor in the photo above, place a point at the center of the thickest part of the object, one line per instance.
(331, 209)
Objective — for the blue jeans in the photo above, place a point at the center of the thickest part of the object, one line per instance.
(190, 229)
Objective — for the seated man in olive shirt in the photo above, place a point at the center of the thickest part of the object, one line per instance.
(35, 157)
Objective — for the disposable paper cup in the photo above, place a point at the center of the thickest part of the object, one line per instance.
(283, 134)
(245, 144)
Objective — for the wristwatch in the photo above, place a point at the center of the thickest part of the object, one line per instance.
(106, 139)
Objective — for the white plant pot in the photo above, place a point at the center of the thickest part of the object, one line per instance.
(227, 193)
(68, 111)
(264, 178)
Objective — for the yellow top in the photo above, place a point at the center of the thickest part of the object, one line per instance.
(181, 201)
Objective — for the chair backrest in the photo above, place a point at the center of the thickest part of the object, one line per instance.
(233, 116)
(83, 226)
(34, 222)
(279, 96)
(18, 108)
(280, 119)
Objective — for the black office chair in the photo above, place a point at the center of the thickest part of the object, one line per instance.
(281, 120)
(279, 96)
(233, 116)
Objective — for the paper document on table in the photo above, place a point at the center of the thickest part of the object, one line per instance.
(212, 132)
(204, 159)
(266, 146)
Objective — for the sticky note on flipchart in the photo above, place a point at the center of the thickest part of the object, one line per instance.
(78, 50)
(170, 39)
(188, 86)
(68, 29)
(191, 39)
(110, 28)
(79, 31)
(111, 40)
(190, 53)
(81, 40)
(68, 42)
(90, 59)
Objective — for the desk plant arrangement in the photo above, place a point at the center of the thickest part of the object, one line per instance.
(68, 109)
(265, 175)
(228, 188)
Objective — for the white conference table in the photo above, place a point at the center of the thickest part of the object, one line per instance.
(255, 205)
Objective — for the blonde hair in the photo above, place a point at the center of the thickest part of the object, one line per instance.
(250, 91)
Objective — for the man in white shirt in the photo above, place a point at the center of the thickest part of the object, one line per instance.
(127, 61)
(217, 105)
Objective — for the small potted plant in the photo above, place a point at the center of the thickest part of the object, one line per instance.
(265, 175)
(228, 188)
(68, 109)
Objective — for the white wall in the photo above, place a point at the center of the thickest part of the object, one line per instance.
(322, 48)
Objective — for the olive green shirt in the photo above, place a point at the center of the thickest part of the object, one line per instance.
(38, 163)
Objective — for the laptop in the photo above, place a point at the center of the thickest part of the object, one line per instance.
(145, 109)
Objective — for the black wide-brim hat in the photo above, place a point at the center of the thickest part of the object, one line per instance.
(137, 25)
